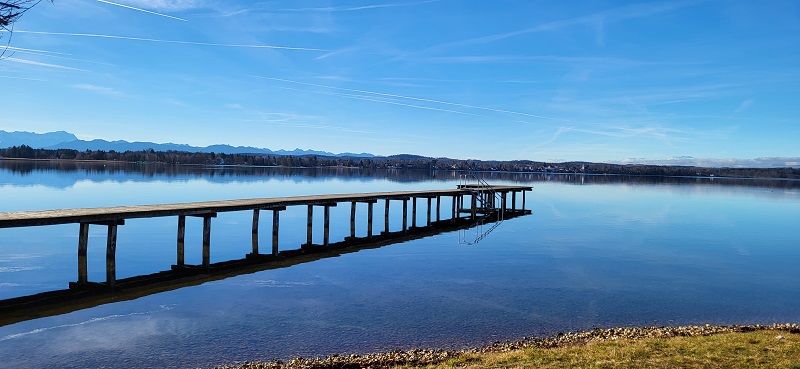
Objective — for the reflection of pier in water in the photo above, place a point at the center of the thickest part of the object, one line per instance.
(483, 200)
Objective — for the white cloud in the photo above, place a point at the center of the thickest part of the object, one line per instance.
(763, 162)
(744, 105)
(597, 20)
(24, 78)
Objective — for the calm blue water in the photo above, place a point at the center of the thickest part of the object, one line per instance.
(597, 251)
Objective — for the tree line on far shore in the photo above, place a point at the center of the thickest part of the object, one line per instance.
(389, 162)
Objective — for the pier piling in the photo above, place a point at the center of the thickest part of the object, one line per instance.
(438, 208)
(454, 214)
(326, 231)
(428, 223)
(309, 225)
(513, 200)
(369, 218)
(83, 244)
(386, 217)
(256, 213)
(207, 239)
(474, 202)
(111, 256)
(181, 240)
(405, 215)
(276, 220)
(353, 219)
(413, 212)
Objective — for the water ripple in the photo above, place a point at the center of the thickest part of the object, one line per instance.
(93, 320)
(17, 269)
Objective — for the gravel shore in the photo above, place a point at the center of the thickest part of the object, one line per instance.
(425, 357)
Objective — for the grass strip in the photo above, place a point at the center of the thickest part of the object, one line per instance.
(757, 346)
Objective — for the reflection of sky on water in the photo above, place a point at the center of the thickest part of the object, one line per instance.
(593, 255)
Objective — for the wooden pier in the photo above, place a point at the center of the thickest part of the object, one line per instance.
(483, 202)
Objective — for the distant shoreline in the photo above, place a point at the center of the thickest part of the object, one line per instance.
(781, 174)
(594, 169)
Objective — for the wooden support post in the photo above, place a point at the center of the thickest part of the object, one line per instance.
(369, 219)
(111, 256)
(309, 224)
(503, 203)
(327, 225)
(256, 213)
(453, 205)
(386, 217)
(413, 212)
(438, 208)
(276, 219)
(353, 219)
(523, 199)
(513, 200)
(429, 212)
(83, 243)
(181, 238)
(474, 206)
(405, 215)
(207, 240)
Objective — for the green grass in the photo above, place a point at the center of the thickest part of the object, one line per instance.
(760, 349)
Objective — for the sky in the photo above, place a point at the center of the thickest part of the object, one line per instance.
(603, 81)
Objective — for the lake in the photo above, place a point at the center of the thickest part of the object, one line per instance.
(597, 251)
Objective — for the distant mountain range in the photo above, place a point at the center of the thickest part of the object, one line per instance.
(66, 140)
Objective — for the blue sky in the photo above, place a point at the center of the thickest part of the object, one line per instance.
(613, 81)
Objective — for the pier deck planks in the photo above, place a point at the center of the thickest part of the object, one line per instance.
(107, 214)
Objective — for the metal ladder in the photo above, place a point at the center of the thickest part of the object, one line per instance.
(487, 198)
(485, 194)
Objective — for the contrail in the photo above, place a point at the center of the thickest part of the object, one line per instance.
(52, 54)
(354, 8)
(142, 10)
(31, 62)
(12, 48)
(402, 104)
(365, 98)
(172, 41)
(420, 99)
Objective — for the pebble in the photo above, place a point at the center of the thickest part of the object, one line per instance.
(426, 357)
